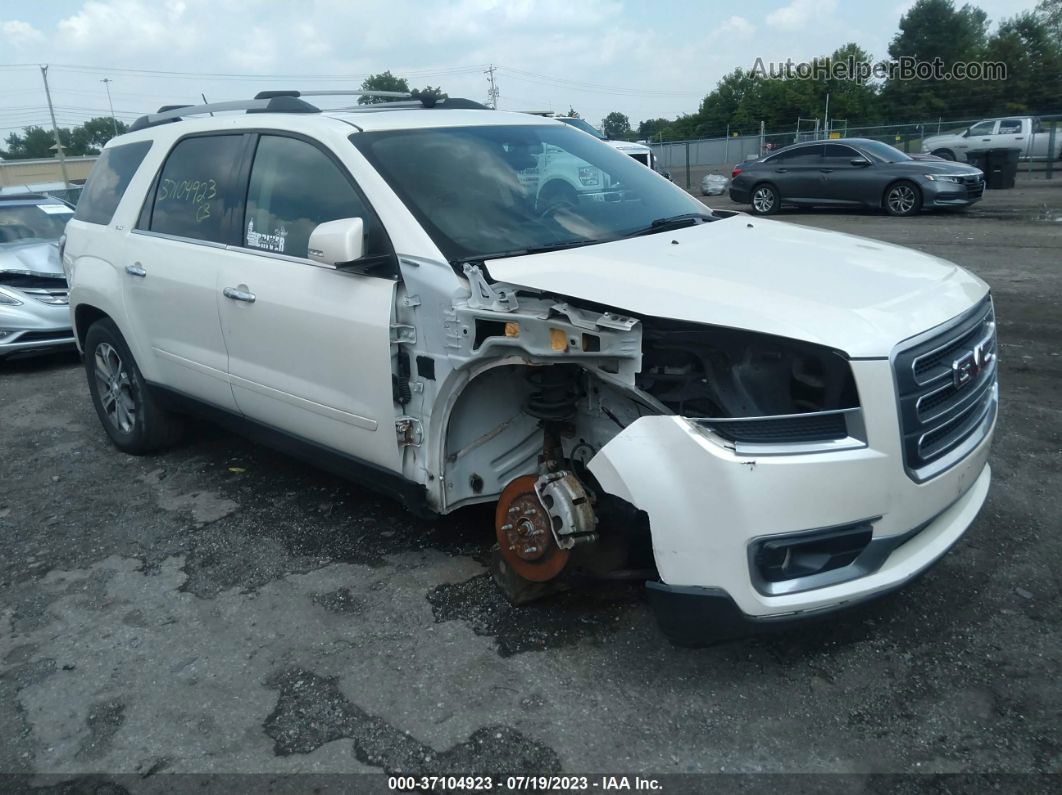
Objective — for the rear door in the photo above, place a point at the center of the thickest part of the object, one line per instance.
(173, 262)
(796, 174)
(1012, 134)
(309, 346)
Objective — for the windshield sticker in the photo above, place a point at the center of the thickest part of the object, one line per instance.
(273, 242)
(55, 209)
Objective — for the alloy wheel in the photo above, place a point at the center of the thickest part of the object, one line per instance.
(763, 200)
(902, 199)
(115, 388)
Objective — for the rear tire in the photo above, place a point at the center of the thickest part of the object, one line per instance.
(902, 199)
(129, 414)
(765, 199)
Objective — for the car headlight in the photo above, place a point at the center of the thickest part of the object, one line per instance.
(588, 175)
(752, 389)
(8, 298)
(944, 178)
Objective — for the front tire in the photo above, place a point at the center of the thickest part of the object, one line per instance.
(129, 414)
(765, 199)
(902, 199)
(946, 154)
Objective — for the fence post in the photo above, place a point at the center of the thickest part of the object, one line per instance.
(689, 184)
(761, 138)
(726, 146)
(1049, 172)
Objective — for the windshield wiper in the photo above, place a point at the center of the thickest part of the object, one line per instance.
(673, 222)
(520, 252)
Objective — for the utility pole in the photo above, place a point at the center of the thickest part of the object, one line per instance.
(492, 93)
(55, 127)
(107, 82)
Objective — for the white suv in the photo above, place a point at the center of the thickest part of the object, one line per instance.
(797, 420)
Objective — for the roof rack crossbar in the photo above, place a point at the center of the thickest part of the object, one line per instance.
(334, 93)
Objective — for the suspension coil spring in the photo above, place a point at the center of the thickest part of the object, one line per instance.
(553, 392)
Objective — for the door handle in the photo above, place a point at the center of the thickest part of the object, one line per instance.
(986, 139)
(135, 270)
(781, 170)
(238, 295)
(826, 170)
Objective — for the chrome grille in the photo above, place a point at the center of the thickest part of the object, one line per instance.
(57, 297)
(946, 384)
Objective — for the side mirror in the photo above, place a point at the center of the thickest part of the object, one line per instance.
(338, 243)
(859, 161)
(667, 175)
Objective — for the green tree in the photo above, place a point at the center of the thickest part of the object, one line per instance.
(936, 29)
(385, 81)
(1050, 13)
(652, 127)
(616, 125)
(85, 139)
(96, 132)
(1033, 57)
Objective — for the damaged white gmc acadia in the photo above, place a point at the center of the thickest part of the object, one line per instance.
(781, 421)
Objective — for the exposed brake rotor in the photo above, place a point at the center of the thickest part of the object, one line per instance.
(525, 536)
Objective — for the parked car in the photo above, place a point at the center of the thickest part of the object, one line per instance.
(786, 421)
(853, 172)
(1026, 134)
(34, 317)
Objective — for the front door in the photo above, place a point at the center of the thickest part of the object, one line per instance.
(844, 182)
(173, 263)
(978, 138)
(309, 346)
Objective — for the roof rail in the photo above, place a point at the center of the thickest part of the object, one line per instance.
(284, 101)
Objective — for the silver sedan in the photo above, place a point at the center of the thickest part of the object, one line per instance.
(34, 316)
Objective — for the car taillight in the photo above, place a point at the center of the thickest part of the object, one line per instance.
(735, 172)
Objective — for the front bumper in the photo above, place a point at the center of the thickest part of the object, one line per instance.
(707, 505)
(34, 327)
(950, 194)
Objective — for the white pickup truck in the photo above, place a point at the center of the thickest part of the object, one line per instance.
(1024, 133)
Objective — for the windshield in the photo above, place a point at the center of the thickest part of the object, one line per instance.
(488, 191)
(883, 152)
(585, 126)
(22, 222)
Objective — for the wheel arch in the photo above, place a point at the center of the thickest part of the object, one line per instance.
(893, 183)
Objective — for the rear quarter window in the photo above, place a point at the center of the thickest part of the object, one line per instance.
(107, 183)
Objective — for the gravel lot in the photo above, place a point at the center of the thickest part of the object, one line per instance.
(221, 608)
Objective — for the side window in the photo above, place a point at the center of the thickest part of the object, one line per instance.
(1010, 126)
(193, 193)
(836, 153)
(804, 156)
(982, 128)
(294, 187)
(107, 183)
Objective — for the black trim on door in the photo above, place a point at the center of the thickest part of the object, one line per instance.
(412, 496)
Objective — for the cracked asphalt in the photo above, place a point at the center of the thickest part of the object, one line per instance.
(220, 608)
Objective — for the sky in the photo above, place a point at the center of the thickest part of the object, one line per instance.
(644, 59)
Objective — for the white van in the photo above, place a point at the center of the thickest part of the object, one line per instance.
(789, 421)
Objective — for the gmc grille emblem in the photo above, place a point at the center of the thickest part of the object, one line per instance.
(968, 366)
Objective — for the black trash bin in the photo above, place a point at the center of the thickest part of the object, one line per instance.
(1002, 168)
(978, 160)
